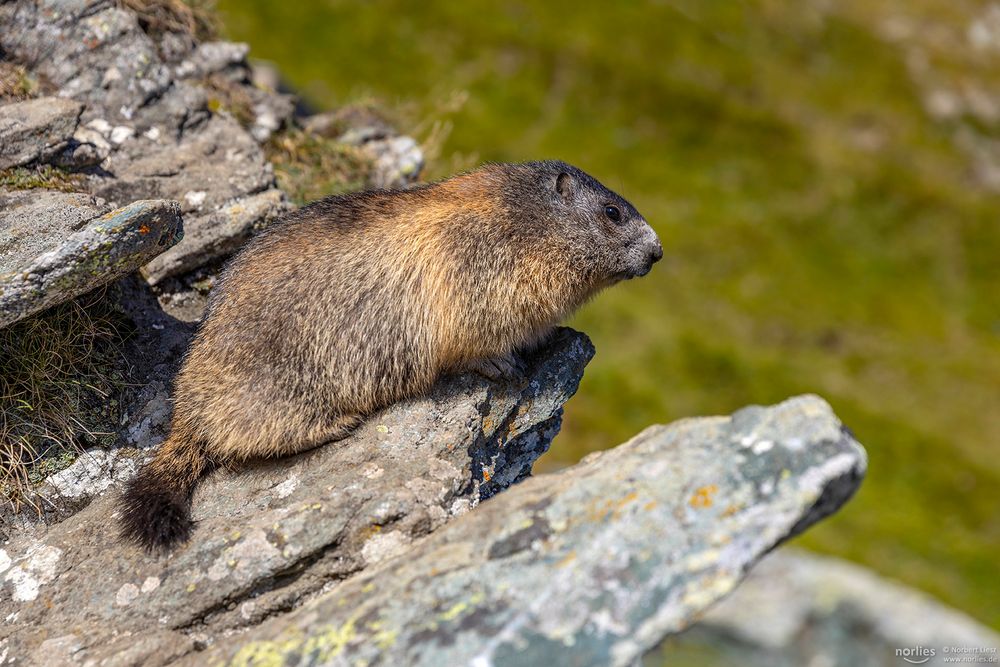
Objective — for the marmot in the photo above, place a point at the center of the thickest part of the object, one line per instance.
(354, 302)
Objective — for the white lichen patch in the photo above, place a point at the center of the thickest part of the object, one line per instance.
(286, 488)
(4, 561)
(814, 480)
(195, 198)
(762, 446)
(121, 133)
(372, 471)
(150, 584)
(36, 568)
(793, 444)
(126, 595)
(460, 506)
(92, 473)
(443, 470)
(383, 546)
(247, 558)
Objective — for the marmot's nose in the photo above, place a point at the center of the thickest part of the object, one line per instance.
(655, 253)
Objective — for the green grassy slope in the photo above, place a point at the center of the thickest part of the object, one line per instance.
(822, 232)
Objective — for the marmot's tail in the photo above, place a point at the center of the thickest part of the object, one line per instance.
(155, 508)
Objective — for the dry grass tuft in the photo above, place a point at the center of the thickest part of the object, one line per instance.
(309, 167)
(15, 83)
(192, 17)
(61, 376)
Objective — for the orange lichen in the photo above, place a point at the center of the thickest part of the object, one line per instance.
(702, 497)
(143, 229)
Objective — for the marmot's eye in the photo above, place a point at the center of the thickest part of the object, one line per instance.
(613, 213)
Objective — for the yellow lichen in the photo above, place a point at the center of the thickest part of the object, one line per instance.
(566, 560)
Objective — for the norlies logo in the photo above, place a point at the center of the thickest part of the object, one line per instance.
(916, 655)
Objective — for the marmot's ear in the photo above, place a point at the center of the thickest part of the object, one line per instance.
(565, 185)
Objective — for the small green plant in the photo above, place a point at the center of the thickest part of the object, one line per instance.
(44, 176)
(229, 96)
(61, 377)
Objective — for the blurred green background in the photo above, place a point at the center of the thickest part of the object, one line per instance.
(825, 183)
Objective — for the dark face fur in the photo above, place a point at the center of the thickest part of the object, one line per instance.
(619, 242)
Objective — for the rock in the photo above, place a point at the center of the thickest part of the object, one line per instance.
(92, 51)
(147, 125)
(797, 608)
(212, 57)
(221, 234)
(367, 550)
(273, 535)
(396, 160)
(34, 221)
(56, 246)
(36, 129)
(591, 566)
(160, 116)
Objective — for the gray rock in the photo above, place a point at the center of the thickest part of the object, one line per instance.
(271, 536)
(218, 234)
(591, 566)
(35, 221)
(36, 129)
(92, 51)
(212, 57)
(396, 160)
(797, 608)
(146, 123)
(57, 246)
(146, 129)
(365, 550)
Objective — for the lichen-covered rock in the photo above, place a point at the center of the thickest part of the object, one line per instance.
(371, 545)
(591, 566)
(271, 536)
(154, 128)
(151, 115)
(798, 608)
(53, 248)
(36, 129)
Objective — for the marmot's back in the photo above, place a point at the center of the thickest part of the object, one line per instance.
(352, 303)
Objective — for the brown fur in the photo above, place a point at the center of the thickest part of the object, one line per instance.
(355, 302)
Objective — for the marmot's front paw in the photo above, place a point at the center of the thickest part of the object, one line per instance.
(509, 367)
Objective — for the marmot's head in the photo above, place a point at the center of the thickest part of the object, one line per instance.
(605, 237)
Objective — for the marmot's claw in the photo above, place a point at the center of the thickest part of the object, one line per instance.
(509, 367)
